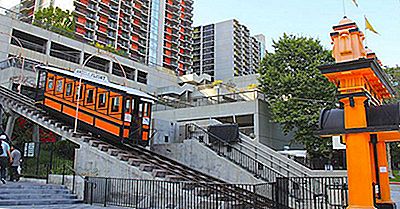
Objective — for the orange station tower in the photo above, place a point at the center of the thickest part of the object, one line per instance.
(363, 122)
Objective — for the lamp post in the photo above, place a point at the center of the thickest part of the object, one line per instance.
(80, 82)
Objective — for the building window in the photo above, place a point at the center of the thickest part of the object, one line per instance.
(142, 77)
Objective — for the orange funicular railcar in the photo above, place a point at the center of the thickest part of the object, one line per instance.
(106, 109)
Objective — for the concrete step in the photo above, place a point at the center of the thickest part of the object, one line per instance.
(174, 178)
(160, 173)
(39, 202)
(104, 147)
(146, 167)
(95, 143)
(25, 196)
(125, 157)
(11, 185)
(33, 191)
(113, 152)
(135, 162)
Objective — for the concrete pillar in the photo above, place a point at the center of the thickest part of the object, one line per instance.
(256, 118)
(10, 124)
(110, 67)
(36, 138)
(81, 58)
(35, 133)
(48, 47)
(1, 118)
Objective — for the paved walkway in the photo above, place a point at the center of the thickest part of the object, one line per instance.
(77, 206)
(396, 194)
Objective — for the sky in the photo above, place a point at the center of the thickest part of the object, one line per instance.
(312, 18)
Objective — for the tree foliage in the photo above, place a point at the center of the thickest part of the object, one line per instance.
(297, 90)
(56, 20)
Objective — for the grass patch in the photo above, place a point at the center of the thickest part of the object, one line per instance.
(396, 174)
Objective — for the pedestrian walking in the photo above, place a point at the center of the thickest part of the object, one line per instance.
(5, 157)
(16, 162)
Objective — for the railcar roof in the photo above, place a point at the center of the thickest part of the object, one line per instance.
(125, 89)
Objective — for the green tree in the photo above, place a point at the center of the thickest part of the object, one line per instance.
(56, 20)
(394, 75)
(296, 89)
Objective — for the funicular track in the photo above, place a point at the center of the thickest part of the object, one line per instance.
(25, 106)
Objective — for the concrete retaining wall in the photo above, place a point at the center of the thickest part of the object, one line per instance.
(197, 156)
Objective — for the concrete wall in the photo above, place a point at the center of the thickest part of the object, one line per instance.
(268, 132)
(77, 186)
(205, 112)
(166, 132)
(198, 156)
(90, 161)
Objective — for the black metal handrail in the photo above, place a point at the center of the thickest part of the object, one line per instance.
(317, 192)
(171, 194)
(254, 166)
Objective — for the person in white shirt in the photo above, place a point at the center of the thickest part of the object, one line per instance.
(16, 156)
(5, 157)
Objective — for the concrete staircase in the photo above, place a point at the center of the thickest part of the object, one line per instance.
(271, 158)
(35, 194)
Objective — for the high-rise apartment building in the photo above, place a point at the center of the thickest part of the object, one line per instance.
(226, 49)
(157, 32)
(171, 34)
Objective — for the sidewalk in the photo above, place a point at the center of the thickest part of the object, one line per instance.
(77, 206)
(395, 193)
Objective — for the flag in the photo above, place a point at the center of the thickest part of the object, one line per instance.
(355, 2)
(369, 26)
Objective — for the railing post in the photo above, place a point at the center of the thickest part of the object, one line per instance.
(63, 175)
(85, 190)
(47, 173)
(105, 192)
(73, 183)
(91, 192)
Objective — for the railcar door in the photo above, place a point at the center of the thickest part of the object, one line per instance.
(145, 114)
(40, 85)
(136, 124)
(141, 121)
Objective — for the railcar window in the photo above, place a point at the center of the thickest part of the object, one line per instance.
(102, 100)
(50, 84)
(68, 91)
(145, 110)
(59, 85)
(115, 104)
(140, 110)
(90, 95)
(128, 105)
(80, 89)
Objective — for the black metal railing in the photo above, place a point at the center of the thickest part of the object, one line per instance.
(222, 148)
(316, 192)
(167, 194)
